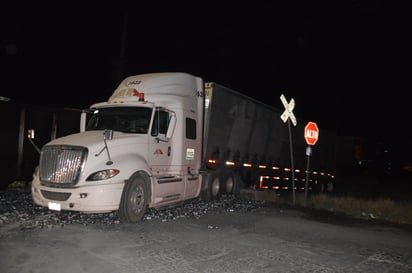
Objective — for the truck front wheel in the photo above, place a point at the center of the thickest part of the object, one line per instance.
(133, 202)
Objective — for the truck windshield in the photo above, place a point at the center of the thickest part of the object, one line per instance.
(122, 119)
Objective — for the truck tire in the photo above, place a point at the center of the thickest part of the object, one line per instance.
(133, 203)
(239, 185)
(228, 183)
(329, 187)
(213, 187)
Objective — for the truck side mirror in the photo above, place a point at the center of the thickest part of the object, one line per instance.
(108, 134)
(30, 136)
(30, 133)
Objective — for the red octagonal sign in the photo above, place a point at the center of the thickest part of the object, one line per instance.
(311, 133)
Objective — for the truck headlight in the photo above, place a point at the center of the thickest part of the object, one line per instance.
(102, 175)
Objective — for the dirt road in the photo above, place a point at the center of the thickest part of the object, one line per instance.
(268, 239)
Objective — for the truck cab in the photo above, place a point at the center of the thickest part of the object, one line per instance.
(139, 149)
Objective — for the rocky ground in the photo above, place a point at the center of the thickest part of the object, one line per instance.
(18, 210)
(17, 207)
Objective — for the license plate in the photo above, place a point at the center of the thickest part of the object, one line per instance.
(54, 206)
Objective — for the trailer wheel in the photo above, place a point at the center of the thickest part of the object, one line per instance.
(214, 187)
(329, 187)
(239, 184)
(133, 202)
(228, 184)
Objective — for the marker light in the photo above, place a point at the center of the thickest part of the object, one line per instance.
(141, 96)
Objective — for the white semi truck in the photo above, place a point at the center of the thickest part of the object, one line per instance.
(164, 138)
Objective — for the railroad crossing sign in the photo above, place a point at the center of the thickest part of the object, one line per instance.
(311, 133)
(288, 113)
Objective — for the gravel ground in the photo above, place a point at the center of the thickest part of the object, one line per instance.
(18, 208)
(228, 235)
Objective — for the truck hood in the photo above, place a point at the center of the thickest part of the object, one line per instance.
(93, 140)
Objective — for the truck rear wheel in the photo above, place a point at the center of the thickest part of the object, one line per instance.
(133, 202)
(228, 184)
(329, 187)
(215, 187)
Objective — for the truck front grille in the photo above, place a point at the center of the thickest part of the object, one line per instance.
(61, 165)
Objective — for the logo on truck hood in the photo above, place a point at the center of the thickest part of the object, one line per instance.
(58, 150)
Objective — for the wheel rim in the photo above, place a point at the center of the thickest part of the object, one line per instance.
(136, 199)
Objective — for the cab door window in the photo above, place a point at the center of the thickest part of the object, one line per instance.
(160, 122)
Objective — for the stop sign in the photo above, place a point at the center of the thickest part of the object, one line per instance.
(311, 133)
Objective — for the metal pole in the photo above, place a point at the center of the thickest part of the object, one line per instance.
(308, 153)
(20, 148)
(291, 162)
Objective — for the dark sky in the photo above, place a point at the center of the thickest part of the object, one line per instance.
(344, 62)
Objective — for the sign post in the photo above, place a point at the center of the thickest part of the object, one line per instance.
(288, 116)
(311, 135)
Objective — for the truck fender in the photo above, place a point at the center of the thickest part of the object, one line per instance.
(130, 164)
(146, 177)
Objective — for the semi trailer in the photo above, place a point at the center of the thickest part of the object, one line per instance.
(164, 138)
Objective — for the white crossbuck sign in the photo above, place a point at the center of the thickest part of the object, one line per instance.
(288, 113)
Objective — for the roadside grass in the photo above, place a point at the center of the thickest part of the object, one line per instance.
(383, 209)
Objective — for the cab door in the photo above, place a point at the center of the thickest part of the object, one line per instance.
(168, 183)
(192, 157)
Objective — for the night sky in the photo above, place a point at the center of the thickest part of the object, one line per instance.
(344, 62)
